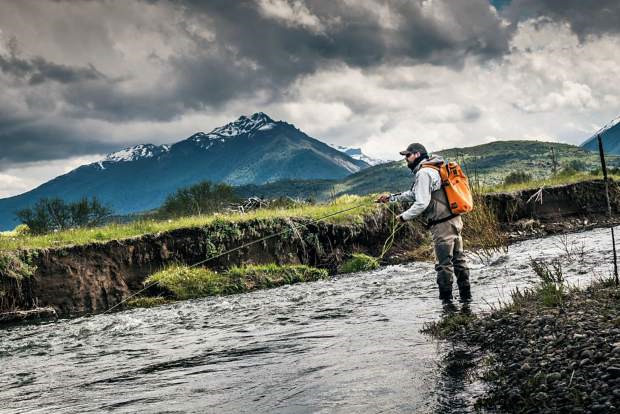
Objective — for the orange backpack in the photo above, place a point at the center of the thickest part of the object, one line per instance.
(456, 186)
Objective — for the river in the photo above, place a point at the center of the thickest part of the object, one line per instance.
(351, 344)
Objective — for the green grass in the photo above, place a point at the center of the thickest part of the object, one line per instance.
(447, 325)
(359, 262)
(14, 267)
(558, 179)
(14, 241)
(186, 283)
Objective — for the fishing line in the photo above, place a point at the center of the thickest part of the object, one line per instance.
(291, 228)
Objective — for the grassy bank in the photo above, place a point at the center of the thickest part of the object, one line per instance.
(181, 282)
(559, 179)
(123, 231)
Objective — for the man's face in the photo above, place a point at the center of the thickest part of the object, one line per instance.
(411, 159)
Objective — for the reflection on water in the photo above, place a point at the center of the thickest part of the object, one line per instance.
(350, 345)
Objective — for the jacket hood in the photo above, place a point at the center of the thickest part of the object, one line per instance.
(432, 160)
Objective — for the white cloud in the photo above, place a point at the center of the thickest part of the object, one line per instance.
(19, 180)
(549, 87)
(291, 13)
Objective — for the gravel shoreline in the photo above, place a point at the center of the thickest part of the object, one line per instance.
(540, 359)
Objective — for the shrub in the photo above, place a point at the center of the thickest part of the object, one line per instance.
(517, 177)
(359, 263)
(49, 214)
(202, 198)
(21, 230)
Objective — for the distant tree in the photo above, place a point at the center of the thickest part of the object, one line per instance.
(576, 165)
(517, 177)
(49, 214)
(202, 198)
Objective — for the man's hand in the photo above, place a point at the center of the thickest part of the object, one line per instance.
(383, 198)
(400, 219)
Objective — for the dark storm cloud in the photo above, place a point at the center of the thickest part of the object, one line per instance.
(38, 70)
(254, 52)
(24, 141)
(585, 17)
(353, 35)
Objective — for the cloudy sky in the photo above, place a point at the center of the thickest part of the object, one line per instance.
(79, 79)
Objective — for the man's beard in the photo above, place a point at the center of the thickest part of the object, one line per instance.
(413, 164)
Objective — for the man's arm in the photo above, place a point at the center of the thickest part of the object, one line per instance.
(404, 196)
(421, 195)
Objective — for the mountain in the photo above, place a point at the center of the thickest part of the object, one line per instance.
(356, 154)
(488, 164)
(250, 150)
(610, 135)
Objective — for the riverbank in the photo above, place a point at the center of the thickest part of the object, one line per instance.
(551, 350)
(92, 276)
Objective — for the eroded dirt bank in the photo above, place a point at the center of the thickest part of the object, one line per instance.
(93, 277)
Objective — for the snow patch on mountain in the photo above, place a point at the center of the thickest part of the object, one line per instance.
(245, 125)
(608, 126)
(137, 153)
(356, 154)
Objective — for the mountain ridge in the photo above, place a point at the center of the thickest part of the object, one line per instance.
(250, 150)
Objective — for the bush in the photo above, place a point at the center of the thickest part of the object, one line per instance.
(517, 177)
(21, 230)
(55, 214)
(202, 198)
(359, 263)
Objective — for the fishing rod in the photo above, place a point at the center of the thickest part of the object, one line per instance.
(613, 237)
(291, 228)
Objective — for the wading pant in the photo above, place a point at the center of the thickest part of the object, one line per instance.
(450, 258)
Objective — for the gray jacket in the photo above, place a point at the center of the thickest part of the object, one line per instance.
(426, 193)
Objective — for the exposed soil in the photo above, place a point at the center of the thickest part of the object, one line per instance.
(94, 277)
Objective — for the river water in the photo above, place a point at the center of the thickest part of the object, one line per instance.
(351, 344)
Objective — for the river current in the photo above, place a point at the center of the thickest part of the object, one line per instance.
(351, 344)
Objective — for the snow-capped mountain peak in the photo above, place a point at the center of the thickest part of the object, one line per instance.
(608, 126)
(137, 152)
(356, 154)
(244, 125)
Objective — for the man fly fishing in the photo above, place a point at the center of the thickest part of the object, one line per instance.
(441, 192)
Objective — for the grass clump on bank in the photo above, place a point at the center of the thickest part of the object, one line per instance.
(359, 262)
(187, 283)
(448, 325)
(14, 267)
(14, 241)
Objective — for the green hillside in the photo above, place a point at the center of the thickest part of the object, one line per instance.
(489, 164)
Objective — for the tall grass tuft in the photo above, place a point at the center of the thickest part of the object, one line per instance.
(482, 233)
(359, 262)
(552, 287)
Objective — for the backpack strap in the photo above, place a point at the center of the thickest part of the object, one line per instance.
(443, 183)
(431, 223)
